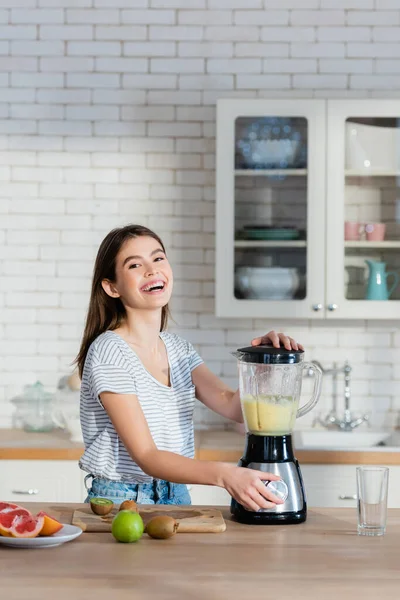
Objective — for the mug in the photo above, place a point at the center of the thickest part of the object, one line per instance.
(375, 232)
(352, 231)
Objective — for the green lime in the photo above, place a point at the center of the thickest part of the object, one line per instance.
(127, 526)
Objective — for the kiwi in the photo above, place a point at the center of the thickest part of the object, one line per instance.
(129, 505)
(161, 527)
(101, 506)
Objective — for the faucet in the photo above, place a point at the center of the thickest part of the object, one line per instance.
(331, 421)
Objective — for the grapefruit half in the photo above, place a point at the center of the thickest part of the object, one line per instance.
(7, 517)
(26, 526)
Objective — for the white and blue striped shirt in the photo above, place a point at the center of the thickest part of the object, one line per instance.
(111, 365)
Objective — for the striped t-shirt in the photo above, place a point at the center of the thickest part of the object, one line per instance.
(111, 365)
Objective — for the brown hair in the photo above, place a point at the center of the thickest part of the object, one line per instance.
(105, 312)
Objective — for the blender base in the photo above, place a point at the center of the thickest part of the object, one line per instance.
(273, 454)
(240, 514)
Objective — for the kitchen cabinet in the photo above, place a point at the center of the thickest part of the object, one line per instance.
(325, 485)
(335, 485)
(363, 168)
(41, 481)
(290, 174)
(209, 495)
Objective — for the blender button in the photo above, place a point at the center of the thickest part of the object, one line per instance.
(278, 488)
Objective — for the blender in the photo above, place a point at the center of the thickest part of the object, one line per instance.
(270, 386)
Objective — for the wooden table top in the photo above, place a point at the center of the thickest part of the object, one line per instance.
(322, 559)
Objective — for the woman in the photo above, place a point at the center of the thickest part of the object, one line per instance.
(139, 385)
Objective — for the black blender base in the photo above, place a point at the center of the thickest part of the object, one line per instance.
(266, 518)
(273, 454)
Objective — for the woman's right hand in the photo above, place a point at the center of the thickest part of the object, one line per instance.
(246, 487)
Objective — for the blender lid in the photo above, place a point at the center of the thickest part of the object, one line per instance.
(268, 355)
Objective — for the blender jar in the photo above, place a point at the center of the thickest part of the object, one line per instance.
(270, 386)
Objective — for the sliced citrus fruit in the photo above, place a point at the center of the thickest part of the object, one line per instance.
(25, 526)
(8, 511)
(7, 517)
(10, 505)
(50, 525)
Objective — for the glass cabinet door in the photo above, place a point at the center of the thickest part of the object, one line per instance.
(363, 209)
(270, 208)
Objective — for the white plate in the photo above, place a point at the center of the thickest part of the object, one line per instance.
(66, 534)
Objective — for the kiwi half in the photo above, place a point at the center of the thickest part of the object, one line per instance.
(101, 506)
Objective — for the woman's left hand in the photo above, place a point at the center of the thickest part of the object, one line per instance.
(277, 340)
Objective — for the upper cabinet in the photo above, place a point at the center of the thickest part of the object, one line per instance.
(363, 209)
(308, 209)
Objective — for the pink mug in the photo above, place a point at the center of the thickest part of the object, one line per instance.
(352, 231)
(375, 232)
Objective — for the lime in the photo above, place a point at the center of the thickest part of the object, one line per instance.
(127, 526)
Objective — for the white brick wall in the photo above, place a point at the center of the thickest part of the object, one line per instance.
(107, 116)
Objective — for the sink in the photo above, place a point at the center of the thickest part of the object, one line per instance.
(328, 439)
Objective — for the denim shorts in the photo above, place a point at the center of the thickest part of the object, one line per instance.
(156, 492)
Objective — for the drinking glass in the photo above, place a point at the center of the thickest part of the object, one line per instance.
(372, 493)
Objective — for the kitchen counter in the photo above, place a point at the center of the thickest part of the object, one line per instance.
(223, 445)
(17, 444)
(322, 558)
(228, 446)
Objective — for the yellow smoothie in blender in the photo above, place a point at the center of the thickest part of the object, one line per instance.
(270, 415)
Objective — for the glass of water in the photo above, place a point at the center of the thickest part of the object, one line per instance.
(372, 495)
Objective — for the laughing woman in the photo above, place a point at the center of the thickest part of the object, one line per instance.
(139, 385)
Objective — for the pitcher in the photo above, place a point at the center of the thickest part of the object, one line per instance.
(377, 288)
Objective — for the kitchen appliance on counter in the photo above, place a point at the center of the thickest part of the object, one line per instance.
(34, 409)
(68, 406)
(270, 386)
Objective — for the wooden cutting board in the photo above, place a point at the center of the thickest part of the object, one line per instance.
(191, 520)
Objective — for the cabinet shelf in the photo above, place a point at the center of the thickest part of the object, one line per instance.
(270, 172)
(365, 244)
(270, 244)
(366, 173)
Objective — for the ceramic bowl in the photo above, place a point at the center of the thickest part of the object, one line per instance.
(267, 283)
(281, 153)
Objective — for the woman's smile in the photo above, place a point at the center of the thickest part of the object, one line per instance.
(156, 286)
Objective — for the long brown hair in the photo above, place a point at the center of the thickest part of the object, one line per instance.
(105, 312)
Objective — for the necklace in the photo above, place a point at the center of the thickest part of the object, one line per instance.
(142, 347)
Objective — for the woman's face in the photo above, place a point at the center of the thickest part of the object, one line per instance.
(143, 274)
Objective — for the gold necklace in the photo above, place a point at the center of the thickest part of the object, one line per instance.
(142, 347)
